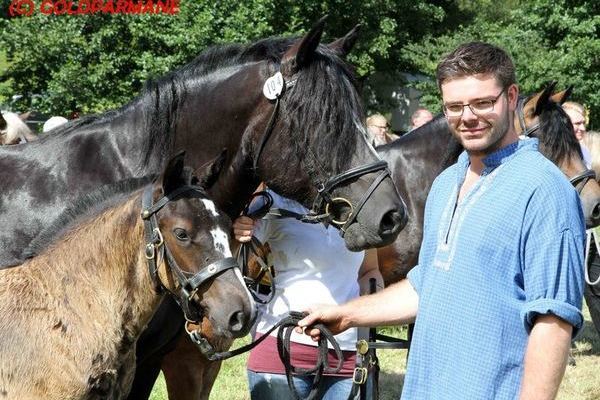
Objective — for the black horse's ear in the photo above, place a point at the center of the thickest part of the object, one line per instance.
(2, 122)
(174, 175)
(561, 97)
(544, 98)
(342, 46)
(209, 172)
(301, 54)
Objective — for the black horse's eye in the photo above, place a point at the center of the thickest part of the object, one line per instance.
(181, 234)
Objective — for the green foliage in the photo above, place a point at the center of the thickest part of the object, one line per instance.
(96, 62)
(558, 40)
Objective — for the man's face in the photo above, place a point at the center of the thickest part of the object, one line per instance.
(578, 122)
(481, 128)
(421, 119)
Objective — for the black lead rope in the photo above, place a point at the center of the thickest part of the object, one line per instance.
(286, 327)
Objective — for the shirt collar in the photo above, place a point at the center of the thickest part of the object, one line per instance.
(502, 155)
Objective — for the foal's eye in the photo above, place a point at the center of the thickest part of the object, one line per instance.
(181, 234)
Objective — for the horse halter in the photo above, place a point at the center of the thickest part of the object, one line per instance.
(274, 89)
(578, 181)
(156, 247)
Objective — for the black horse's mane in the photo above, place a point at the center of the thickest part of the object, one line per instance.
(430, 130)
(84, 208)
(558, 141)
(328, 82)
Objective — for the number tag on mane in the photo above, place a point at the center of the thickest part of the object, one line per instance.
(273, 86)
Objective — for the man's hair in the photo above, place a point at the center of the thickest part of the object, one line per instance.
(477, 58)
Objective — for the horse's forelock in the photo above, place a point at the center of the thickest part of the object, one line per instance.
(323, 111)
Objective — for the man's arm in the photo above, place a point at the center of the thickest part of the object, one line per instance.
(545, 358)
(397, 304)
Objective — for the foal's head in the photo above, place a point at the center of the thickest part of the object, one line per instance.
(198, 267)
(542, 116)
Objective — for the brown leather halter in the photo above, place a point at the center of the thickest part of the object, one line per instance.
(156, 247)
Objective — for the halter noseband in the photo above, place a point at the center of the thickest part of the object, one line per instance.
(155, 246)
(274, 89)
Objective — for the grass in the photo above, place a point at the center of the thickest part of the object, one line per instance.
(581, 382)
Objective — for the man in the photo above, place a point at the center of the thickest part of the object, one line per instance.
(498, 289)
(378, 129)
(420, 117)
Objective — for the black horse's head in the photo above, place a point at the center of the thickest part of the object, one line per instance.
(318, 133)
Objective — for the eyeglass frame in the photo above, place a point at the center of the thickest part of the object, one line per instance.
(494, 101)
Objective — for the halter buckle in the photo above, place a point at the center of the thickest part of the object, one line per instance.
(150, 251)
(359, 376)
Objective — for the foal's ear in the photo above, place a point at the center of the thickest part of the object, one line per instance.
(209, 172)
(174, 175)
(544, 98)
(2, 122)
(301, 54)
(342, 46)
(561, 97)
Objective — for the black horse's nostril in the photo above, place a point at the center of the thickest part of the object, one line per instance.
(237, 321)
(392, 222)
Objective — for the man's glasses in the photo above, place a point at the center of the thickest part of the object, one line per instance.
(479, 107)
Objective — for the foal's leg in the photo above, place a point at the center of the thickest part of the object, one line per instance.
(188, 374)
(158, 339)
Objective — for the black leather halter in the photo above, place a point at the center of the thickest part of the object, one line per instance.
(324, 202)
(156, 247)
(578, 181)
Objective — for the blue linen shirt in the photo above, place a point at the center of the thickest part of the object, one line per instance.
(512, 249)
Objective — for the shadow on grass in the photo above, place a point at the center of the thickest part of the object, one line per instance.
(589, 340)
(390, 385)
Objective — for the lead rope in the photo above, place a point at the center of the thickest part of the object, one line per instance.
(286, 327)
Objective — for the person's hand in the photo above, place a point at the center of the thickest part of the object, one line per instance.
(330, 316)
(242, 228)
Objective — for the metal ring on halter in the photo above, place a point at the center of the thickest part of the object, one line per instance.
(160, 237)
(339, 200)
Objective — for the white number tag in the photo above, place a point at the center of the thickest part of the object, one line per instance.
(273, 86)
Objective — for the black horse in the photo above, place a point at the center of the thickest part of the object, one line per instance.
(307, 141)
(215, 102)
(418, 157)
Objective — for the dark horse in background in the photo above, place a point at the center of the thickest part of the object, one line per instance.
(314, 132)
(418, 157)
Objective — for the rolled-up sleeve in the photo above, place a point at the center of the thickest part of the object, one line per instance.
(553, 278)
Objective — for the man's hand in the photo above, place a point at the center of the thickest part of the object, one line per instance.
(330, 316)
(242, 228)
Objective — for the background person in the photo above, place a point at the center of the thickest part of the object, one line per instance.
(498, 289)
(378, 129)
(420, 118)
(311, 263)
(578, 116)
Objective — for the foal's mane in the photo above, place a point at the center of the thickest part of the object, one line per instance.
(84, 208)
(556, 136)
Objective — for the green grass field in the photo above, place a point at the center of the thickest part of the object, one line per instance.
(581, 382)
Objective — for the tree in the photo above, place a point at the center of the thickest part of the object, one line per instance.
(558, 40)
(96, 62)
